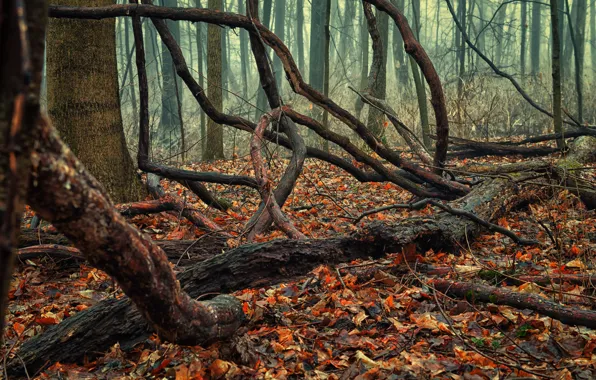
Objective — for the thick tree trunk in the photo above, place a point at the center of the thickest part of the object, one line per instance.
(83, 99)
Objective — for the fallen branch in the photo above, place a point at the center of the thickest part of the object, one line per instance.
(475, 292)
(145, 207)
(36, 251)
(87, 217)
(194, 216)
(260, 265)
(425, 202)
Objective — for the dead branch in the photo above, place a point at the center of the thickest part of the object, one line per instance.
(294, 77)
(475, 292)
(36, 251)
(262, 219)
(88, 218)
(406, 133)
(145, 207)
(179, 205)
(269, 200)
(206, 196)
(425, 202)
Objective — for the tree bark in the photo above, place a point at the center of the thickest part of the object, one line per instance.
(214, 148)
(22, 50)
(83, 99)
(523, 42)
(535, 39)
(377, 78)
(556, 71)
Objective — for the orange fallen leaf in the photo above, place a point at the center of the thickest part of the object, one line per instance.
(19, 328)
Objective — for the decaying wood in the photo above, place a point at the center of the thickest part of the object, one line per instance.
(63, 193)
(476, 292)
(258, 265)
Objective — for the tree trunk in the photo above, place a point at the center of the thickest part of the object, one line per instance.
(571, 16)
(556, 71)
(243, 53)
(580, 41)
(300, 35)
(593, 38)
(377, 79)
(169, 123)
(326, 49)
(363, 58)
(214, 148)
(19, 108)
(132, 90)
(346, 43)
(500, 34)
(524, 30)
(419, 83)
(399, 55)
(535, 39)
(280, 15)
(83, 99)
(317, 45)
(200, 36)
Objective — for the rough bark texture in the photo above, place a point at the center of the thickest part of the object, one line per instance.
(214, 143)
(20, 79)
(64, 193)
(84, 101)
(377, 78)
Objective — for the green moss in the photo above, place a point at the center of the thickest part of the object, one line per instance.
(490, 276)
(569, 164)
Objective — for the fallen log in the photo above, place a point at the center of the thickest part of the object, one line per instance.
(471, 148)
(179, 252)
(474, 292)
(258, 265)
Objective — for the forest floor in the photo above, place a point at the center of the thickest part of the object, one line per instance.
(361, 320)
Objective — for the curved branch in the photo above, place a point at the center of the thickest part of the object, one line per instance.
(416, 51)
(261, 220)
(292, 74)
(261, 174)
